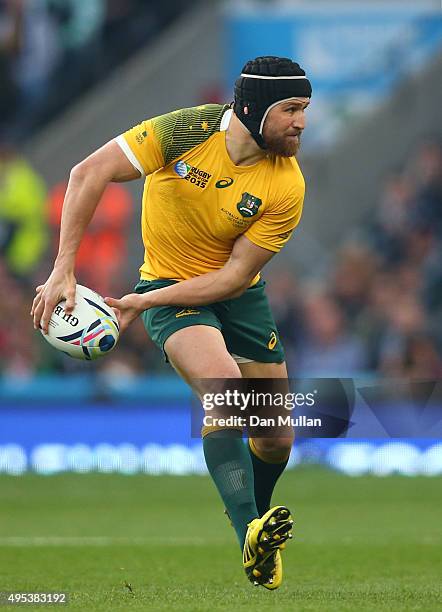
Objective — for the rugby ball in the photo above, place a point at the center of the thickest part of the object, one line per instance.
(90, 331)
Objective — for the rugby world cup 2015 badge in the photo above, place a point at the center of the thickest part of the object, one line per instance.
(194, 175)
(182, 169)
(249, 205)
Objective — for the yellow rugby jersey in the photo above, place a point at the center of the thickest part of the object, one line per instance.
(196, 202)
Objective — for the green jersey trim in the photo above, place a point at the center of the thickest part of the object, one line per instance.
(182, 130)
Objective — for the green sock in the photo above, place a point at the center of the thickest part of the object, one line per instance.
(229, 464)
(265, 477)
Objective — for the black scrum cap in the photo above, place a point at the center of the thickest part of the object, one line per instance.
(264, 82)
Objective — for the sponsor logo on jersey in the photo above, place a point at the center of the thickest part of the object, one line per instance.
(186, 312)
(273, 341)
(194, 175)
(249, 205)
(224, 182)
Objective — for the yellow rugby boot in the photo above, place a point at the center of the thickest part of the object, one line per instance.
(265, 538)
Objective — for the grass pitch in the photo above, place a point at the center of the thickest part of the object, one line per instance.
(360, 543)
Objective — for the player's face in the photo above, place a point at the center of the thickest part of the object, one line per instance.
(283, 127)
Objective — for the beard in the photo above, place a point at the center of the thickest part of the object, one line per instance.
(284, 146)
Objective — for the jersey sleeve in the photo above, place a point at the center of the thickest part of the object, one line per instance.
(274, 228)
(141, 147)
(156, 142)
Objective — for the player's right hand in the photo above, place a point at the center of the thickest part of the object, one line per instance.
(59, 286)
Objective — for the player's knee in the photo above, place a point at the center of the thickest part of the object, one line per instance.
(227, 370)
(273, 449)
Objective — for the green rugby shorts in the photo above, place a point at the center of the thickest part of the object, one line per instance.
(246, 322)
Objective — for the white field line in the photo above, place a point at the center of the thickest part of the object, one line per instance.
(26, 541)
(30, 541)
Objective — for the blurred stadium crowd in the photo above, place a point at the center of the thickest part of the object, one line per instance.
(378, 308)
(51, 51)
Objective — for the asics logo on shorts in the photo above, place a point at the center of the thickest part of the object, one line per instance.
(273, 341)
(186, 312)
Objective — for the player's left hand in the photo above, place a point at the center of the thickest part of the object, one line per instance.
(127, 309)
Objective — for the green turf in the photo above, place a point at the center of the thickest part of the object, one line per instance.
(360, 543)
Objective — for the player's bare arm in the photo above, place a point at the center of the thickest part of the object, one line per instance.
(246, 260)
(87, 182)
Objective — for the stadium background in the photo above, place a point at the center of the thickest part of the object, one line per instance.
(357, 293)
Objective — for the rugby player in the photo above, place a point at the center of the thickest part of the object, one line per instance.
(223, 193)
